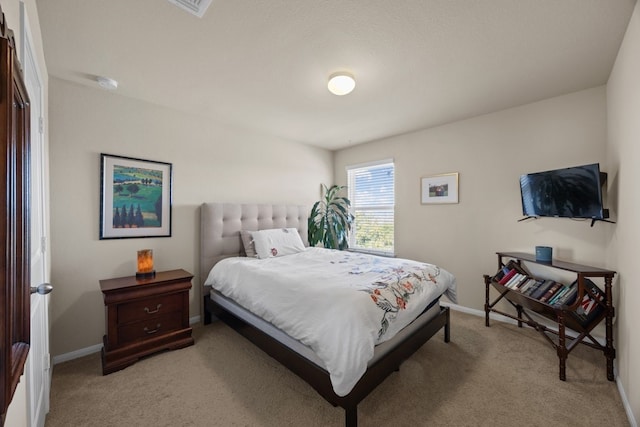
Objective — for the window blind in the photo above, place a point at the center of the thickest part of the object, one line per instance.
(372, 196)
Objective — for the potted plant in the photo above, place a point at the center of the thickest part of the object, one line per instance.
(330, 220)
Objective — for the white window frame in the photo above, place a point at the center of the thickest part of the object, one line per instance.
(351, 172)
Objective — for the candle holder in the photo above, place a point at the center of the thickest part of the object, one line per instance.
(145, 264)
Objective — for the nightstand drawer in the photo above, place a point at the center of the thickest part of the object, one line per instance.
(147, 308)
(149, 328)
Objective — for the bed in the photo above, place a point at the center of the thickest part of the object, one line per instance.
(221, 245)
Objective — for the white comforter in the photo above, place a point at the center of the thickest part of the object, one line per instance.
(340, 304)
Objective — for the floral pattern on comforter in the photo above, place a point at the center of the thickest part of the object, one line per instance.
(338, 303)
(397, 283)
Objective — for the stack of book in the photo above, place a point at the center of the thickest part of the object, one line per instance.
(512, 277)
(553, 293)
(544, 290)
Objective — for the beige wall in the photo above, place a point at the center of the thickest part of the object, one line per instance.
(623, 158)
(490, 153)
(213, 162)
(210, 163)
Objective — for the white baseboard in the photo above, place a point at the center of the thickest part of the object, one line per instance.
(625, 403)
(76, 354)
(95, 348)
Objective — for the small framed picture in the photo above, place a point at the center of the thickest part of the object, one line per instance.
(135, 198)
(441, 188)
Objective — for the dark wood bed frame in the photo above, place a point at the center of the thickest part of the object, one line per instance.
(318, 377)
(313, 374)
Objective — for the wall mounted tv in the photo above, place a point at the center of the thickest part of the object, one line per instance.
(574, 192)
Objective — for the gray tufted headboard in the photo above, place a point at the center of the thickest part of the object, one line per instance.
(220, 225)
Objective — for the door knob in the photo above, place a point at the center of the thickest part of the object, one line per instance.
(42, 289)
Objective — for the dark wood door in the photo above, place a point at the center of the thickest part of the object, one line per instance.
(14, 220)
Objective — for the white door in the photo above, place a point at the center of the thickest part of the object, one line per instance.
(37, 372)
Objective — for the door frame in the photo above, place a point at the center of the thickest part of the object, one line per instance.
(37, 375)
(15, 295)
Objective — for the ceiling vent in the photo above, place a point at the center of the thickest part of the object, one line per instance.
(195, 7)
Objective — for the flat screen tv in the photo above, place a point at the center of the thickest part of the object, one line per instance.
(574, 192)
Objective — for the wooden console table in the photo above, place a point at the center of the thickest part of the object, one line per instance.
(564, 315)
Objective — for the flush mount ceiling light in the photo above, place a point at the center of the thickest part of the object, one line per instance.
(107, 83)
(341, 83)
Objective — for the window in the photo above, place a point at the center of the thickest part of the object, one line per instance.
(371, 192)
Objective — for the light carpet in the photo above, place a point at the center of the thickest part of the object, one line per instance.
(497, 376)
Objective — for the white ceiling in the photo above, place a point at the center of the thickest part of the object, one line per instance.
(264, 64)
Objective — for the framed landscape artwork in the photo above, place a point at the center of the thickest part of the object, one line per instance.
(441, 188)
(135, 198)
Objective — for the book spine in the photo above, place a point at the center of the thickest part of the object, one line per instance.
(518, 286)
(501, 273)
(550, 292)
(507, 276)
(569, 297)
(515, 279)
(563, 290)
(524, 288)
(534, 287)
(543, 289)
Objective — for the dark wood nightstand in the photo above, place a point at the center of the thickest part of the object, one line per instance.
(144, 316)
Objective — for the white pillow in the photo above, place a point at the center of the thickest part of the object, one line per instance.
(277, 242)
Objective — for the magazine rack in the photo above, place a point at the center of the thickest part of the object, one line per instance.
(566, 316)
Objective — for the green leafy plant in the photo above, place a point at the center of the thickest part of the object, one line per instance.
(330, 220)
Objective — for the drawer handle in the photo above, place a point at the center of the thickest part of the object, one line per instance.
(153, 311)
(152, 331)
